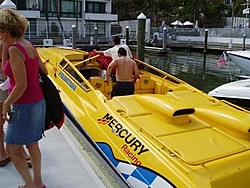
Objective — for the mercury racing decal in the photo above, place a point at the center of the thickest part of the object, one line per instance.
(67, 81)
(131, 142)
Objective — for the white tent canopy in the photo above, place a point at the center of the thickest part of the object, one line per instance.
(8, 4)
(188, 23)
(176, 22)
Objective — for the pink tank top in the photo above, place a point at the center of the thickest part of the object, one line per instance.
(33, 92)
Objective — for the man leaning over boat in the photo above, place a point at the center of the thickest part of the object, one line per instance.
(112, 52)
(106, 56)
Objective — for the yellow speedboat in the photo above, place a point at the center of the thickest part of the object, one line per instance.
(168, 134)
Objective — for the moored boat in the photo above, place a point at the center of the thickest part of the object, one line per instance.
(168, 134)
(241, 59)
(237, 92)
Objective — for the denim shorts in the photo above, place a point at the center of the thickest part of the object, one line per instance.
(26, 124)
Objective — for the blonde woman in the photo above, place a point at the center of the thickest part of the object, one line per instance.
(4, 158)
(24, 108)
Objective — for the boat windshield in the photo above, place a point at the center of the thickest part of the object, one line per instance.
(74, 74)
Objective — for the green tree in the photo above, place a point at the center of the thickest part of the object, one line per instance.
(209, 13)
(54, 30)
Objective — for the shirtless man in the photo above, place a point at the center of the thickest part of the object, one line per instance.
(125, 68)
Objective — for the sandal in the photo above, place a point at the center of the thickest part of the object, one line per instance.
(24, 186)
(5, 162)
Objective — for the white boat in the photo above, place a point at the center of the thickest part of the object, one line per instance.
(241, 59)
(237, 92)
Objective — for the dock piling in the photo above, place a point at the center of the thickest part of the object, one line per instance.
(141, 36)
(95, 36)
(73, 36)
(188, 44)
(230, 45)
(205, 49)
(244, 42)
(127, 35)
(164, 43)
(205, 42)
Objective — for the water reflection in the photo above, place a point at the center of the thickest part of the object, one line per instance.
(191, 68)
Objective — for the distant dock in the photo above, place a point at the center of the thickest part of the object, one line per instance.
(214, 45)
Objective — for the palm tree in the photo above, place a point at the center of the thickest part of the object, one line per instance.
(152, 8)
(58, 15)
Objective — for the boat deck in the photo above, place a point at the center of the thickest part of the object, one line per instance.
(65, 163)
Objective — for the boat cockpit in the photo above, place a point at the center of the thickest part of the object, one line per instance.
(86, 71)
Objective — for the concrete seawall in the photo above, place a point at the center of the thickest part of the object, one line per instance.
(214, 44)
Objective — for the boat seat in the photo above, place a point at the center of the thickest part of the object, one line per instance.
(144, 84)
(145, 81)
(108, 89)
(97, 82)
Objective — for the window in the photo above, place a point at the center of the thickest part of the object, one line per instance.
(93, 7)
(66, 8)
(87, 73)
(74, 76)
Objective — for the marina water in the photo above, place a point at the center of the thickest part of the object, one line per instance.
(196, 70)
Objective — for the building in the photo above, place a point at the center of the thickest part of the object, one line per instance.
(56, 17)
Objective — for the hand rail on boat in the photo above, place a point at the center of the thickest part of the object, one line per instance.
(79, 74)
(162, 84)
(160, 71)
(87, 61)
(174, 153)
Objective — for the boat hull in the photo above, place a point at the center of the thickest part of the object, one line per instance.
(168, 134)
(237, 92)
(241, 59)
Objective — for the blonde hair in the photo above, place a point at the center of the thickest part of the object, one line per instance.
(13, 22)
